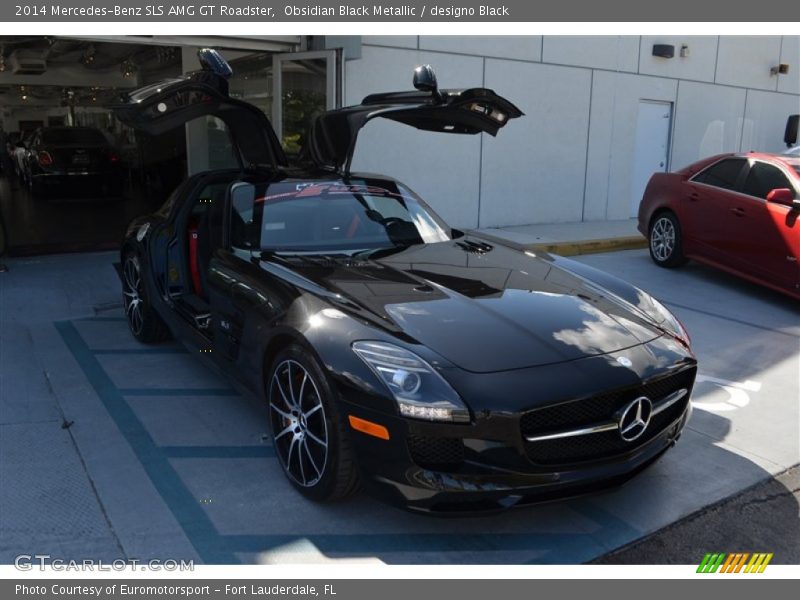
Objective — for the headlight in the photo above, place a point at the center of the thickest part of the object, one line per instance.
(670, 323)
(420, 392)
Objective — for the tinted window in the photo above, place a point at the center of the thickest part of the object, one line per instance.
(74, 135)
(722, 174)
(764, 178)
(329, 217)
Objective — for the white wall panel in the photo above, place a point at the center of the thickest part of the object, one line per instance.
(790, 54)
(765, 120)
(612, 135)
(397, 41)
(613, 52)
(443, 169)
(533, 170)
(708, 120)
(698, 66)
(528, 47)
(746, 60)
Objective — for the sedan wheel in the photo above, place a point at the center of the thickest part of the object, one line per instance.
(665, 241)
(145, 325)
(308, 435)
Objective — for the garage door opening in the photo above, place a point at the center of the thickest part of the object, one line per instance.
(71, 175)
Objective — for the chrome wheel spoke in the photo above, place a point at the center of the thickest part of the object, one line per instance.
(277, 381)
(282, 413)
(322, 443)
(302, 388)
(311, 459)
(312, 411)
(291, 387)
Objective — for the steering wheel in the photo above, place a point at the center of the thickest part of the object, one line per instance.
(391, 221)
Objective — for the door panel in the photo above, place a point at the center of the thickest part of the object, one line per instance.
(706, 207)
(764, 236)
(653, 127)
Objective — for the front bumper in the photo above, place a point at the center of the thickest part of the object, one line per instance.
(480, 487)
(489, 465)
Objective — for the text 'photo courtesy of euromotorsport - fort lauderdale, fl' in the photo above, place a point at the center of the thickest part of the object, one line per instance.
(171, 590)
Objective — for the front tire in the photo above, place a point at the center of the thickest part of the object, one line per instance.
(143, 321)
(309, 435)
(665, 241)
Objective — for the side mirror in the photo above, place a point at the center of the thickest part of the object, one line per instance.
(425, 80)
(783, 196)
(212, 60)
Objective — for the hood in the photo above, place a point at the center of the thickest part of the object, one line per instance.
(484, 308)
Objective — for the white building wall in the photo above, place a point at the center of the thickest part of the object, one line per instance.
(570, 158)
(524, 182)
(615, 104)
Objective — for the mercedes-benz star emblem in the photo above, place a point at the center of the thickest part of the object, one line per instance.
(624, 361)
(635, 418)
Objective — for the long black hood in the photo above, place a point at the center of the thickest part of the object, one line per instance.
(484, 308)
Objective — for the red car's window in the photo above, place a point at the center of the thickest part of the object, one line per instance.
(722, 174)
(763, 178)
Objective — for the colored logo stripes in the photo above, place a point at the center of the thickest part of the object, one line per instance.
(734, 563)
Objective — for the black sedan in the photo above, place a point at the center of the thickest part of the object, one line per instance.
(446, 371)
(68, 161)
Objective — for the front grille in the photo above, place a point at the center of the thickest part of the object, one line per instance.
(598, 409)
(436, 453)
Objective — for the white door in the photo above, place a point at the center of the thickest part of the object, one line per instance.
(651, 150)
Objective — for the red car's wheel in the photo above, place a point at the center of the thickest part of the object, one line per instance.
(666, 245)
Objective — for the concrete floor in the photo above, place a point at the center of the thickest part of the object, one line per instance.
(74, 222)
(163, 460)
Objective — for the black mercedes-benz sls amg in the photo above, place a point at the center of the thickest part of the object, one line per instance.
(446, 371)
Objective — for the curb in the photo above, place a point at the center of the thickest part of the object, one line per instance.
(632, 242)
(572, 248)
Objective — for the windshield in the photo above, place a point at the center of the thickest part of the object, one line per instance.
(74, 135)
(330, 217)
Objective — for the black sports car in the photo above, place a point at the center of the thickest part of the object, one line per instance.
(445, 370)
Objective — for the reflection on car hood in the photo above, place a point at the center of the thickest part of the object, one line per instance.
(483, 310)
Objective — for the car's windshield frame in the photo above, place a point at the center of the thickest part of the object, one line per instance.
(429, 226)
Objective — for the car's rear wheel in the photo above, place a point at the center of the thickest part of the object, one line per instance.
(665, 241)
(309, 436)
(143, 321)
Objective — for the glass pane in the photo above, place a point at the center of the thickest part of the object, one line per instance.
(304, 84)
(252, 80)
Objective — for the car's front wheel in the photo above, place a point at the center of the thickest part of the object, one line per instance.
(665, 241)
(143, 321)
(309, 435)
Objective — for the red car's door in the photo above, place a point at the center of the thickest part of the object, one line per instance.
(765, 235)
(704, 221)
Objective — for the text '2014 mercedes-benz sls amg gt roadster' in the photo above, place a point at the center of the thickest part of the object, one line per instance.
(445, 371)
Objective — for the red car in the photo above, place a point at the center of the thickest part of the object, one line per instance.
(736, 212)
